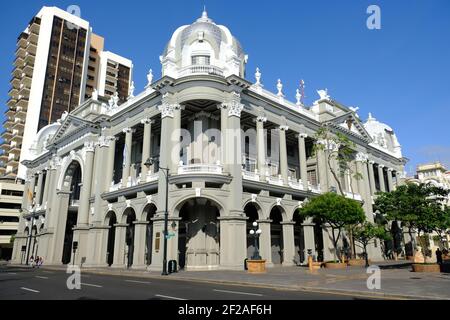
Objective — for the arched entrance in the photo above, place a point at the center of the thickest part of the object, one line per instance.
(34, 241)
(276, 235)
(299, 239)
(149, 213)
(129, 235)
(73, 179)
(199, 235)
(111, 221)
(251, 211)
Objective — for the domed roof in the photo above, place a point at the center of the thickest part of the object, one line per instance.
(383, 136)
(43, 138)
(204, 29)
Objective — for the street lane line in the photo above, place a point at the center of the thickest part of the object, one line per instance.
(168, 297)
(48, 272)
(39, 277)
(31, 290)
(91, 285)
(237, 292)
(12, 273)
(135, 281)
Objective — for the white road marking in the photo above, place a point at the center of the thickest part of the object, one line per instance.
(237, 292)
(31, 290)
(12, 273)
(91, 285)
(48, 272)
(168, 297)
(39, 277)
(135, 281)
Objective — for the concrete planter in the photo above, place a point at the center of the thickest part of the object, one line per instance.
(357, 263)
(332, 265)
(427, 268)
(256, 266)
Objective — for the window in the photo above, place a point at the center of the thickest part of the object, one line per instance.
(201, 60)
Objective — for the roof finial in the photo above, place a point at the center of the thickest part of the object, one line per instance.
(204, 14)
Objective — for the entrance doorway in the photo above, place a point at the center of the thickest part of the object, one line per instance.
(276, 235)
(111, 221)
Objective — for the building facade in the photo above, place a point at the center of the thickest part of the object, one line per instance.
(235, 153)
(53, 73)
(11, 194)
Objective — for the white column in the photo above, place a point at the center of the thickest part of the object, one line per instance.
(261, 147)
(265, 249)
(146, 147)
(288, 243)
(140, 230)
(283, 154)
(390, 181)
(110, 162)
(309, 240)
(83, 211)
(127, 161)
(302, 158)
(381, 178)
(46, 187)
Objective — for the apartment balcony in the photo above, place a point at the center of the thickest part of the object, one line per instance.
(15, 82)
(19, 125)
(17, 138)
(22, 42)
(15, 150)
(8, 123)
(3, 158)
(17, 71)
(27, 71)
(20, 113)
(11, 102)
(314, 188)
(200, 69)
(24, 91)
(7, 135)
(34, 37)
(22, 103)
(29, 59)
(20, 52)
(2, 171)
(13, 162)
(34, 28)
(13, 92)
(31, 48)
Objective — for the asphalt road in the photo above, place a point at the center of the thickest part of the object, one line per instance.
(33, 284)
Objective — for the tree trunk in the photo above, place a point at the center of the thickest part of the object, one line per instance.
(366, 256)
(334, 244)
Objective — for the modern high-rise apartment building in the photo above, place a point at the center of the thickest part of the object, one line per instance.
(58, 64)
(11, 194)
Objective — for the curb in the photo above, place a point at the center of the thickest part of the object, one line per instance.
(141, 274)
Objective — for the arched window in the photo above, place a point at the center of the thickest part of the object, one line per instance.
(201, 60)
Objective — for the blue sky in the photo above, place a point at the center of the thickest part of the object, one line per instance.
(399, 73)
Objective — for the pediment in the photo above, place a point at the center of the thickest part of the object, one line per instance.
(351, 123)
(70, 126)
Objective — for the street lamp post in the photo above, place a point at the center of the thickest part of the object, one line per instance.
(166, 171)
(256, 232)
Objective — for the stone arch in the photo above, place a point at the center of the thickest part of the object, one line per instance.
(67, 169)
(199, 234)
(129, 218)
(258, 205)
(110, 221)
(126, 212)
(145, 211)
(207, 92)
(179, 205)
(282, 209)
(148, 213)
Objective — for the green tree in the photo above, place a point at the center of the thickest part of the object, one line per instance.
(367, 232)
(336, 211)
(418, 207)
(339, 147)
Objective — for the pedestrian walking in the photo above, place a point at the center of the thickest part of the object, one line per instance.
(31, 261)
(439, 256)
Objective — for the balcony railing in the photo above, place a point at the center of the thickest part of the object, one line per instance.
(250, 175)
(275, 180)
(200, 168)
(295, 184)
(314, 188)
(200, 69)
(353, 196)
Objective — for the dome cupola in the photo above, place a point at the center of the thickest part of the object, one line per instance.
(383, 136)
(203, 48)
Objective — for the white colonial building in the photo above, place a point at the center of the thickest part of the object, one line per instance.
(92, 180)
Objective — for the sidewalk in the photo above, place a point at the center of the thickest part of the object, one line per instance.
(397, 280)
